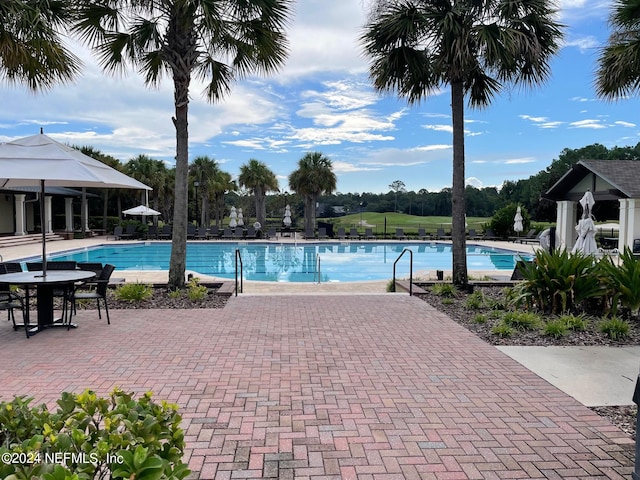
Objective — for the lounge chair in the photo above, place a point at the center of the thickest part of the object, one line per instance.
(251, 233)
(422, 234)
(227, 234)
(130, 232)
(530, 234)
(489, 234)
(238, 233)
(165, 233)
(341, 233)
(353, 233)
(322, 233)
(192, 230)
(440, 235)
(400, 234)
(272, 233)
(214, 232)
(201, 234)
(368, 234)
(309, 234)
(117, 233)
(152, 232)
(472, 235)
(531, 237)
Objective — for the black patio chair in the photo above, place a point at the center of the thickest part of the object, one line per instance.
(96, 290)
(10, 300)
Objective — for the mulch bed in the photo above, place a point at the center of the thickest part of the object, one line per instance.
(622, 416)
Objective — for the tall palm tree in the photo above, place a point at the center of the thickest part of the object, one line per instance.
(32, 51)
(221, 184)
(313, 177)
(151, 172)
(217, 41)
(256, 176)
(476, 48)
(618, 72)
(203, 170)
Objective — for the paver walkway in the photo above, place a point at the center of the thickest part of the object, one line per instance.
(323, 387)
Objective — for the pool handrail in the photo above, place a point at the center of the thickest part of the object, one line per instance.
(238, 259)
(410, 270)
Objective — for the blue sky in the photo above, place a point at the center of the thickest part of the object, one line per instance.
(322, 101)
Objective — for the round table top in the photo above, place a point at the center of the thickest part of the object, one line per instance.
(52, 277)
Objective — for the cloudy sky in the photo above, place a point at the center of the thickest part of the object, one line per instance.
(322, 101)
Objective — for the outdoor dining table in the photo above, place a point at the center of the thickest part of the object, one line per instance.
(45, 286)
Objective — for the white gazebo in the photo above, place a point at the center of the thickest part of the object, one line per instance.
(607, 180)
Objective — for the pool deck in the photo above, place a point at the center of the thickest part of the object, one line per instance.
(156, 276)
(325, 387)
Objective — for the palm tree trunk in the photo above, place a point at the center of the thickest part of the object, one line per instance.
(458, 209)
(178, 261)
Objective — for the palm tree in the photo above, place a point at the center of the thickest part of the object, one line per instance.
(31, 48)
(256, 176)
(476, 48)
(220, 185)
(313, 177)
(150, 172)
(215, 41)
(618, 71)
(202, 170)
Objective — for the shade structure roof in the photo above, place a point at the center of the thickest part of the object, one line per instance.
(27, 161)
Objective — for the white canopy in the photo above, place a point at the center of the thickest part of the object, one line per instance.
(27, 161)
(141, 210)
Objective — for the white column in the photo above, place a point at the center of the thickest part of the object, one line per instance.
(68, 214)
(85, 211)
(566, 223)
(48, 224)
(20, 215)
(623, 221)
(633, 224)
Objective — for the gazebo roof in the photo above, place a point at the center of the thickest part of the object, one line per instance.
(606, 179)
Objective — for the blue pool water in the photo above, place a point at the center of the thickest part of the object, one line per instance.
(275, 262)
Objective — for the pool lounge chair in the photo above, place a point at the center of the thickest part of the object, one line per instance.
(489, 235)
(251, 233)
(322, 233)
(201, 234)
(422, 234)
(368, 234)
(152, 233)
(472, 235)
(400, 234)
(353, 233)
(272, 233)
(532, 236)
(213, 232)
(165, 233)
(227, 234)
(341, 233)
(440, 235)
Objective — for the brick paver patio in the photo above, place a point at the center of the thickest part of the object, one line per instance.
(319, 387)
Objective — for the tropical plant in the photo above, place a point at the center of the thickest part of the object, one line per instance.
(256, 176)
(152, 173)
(219, 185)
(31, 48)
(555, 328)
(203, 170)
(313, 177)
(614, 328)
(134, 292)
(617, 74)
(476, 48)
(215, 41)
(557, 282)
(623, 281)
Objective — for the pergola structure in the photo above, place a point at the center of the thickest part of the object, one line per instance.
(607, 180)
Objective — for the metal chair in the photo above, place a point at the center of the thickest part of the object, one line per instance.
(10, 300)
(96, 290)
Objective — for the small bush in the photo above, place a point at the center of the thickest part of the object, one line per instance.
(480, 318)
(391, 287)
(447, 301)
(577, 323)
(444, 289)
(195, 291)
(134, 292)
(474, 301)
(502, 330)
(555, 328)
(615, 328)
(521, 320)
(175, 294)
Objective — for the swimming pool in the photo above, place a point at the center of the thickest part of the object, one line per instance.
(286, 262)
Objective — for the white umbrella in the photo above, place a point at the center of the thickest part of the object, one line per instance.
(240, 218)
(233, 218)
(287, 216)
(38, 159)
(141, 210)
(517, 221)
(586, 241)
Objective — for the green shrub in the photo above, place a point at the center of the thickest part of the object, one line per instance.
(175, 294)
(90, 437)
(577, 323)
(521, 320)
(623, 280)
(555, 328)
(480, 318)
(559, 282)
(391, 286)
(444, 289)
(615, 328)
(474, 301)
(502, 330)
(195, 291)
(502, 220)
(447, 301)
(134, 292)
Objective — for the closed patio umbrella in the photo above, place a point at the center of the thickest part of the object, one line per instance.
(38, 160)
(517, 221)
(586, 241)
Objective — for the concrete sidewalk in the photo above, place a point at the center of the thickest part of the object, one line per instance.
(595, 376)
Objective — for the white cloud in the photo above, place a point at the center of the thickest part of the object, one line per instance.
(588, 123)
(624, 124)
(584, 44)
(345, 167)
(519, 161)
(474, 182)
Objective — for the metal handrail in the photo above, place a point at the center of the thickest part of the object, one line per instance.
(238, 259)
(410, 270)
(318, 266)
